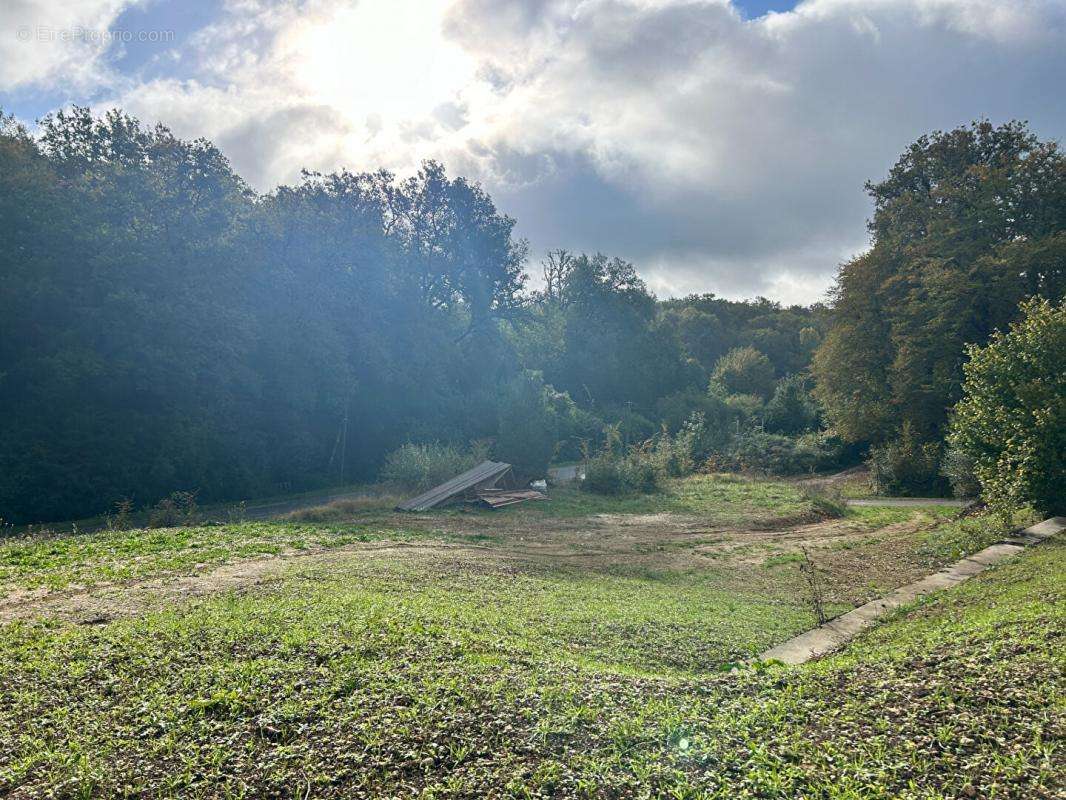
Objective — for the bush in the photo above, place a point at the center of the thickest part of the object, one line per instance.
(177, 510)
(584, 430)
(907, 466)
(791, 409)
(744, 370)
(1012, 418)
(634, 471)
(958, 468)
(677, 409)
(633, 427)
(533, 417)
(826, 502)
(774, 454)
(421, 466)
(745, 410)
(674, 455)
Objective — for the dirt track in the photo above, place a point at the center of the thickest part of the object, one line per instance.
(608, 543)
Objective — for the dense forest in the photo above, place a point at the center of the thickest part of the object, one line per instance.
(166, 328)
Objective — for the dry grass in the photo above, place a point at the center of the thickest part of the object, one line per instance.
(344, 509)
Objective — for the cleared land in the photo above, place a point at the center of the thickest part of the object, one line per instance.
(575, 648)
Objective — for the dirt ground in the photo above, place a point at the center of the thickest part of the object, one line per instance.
(858, 562)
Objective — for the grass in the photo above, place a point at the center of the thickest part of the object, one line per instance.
(957, 538)
(61, 561)
(542, 651)
(722, 499)
(437, 679)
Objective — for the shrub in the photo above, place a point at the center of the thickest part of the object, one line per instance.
(907, 466)
(676, 409)
(120, 519)
(421, 466)
(768, 453)
(583, 430)
(826, 502)
(791, 409)
(744, 370)
(674, 455)
(533, 417)
(775, 454)
(633, 472)
(958, 468)
(177, 510)
(745, 410)
(1012, 417)
(633, 427)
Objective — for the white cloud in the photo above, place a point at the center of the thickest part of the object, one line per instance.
(717, 153)
(42, 41)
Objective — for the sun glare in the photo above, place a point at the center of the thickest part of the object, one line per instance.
(382, 59)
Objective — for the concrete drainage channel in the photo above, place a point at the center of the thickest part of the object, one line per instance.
(835, 633)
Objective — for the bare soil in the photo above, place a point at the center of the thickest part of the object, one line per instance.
(859, 563)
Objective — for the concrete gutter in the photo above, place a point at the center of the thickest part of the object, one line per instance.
(826, 638)
(908, 502)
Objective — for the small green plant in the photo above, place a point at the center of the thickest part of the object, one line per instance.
(119, 520)
(826, 502)
(178, 510)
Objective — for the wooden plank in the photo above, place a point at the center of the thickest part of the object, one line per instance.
(484, 475)
(499, 498)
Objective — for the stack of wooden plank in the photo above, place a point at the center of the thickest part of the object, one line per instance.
(475, 485)
(484, 476)
(498, 498)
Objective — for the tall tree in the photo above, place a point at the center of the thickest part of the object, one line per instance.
(967, 224)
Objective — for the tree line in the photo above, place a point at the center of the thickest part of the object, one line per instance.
(166, 328)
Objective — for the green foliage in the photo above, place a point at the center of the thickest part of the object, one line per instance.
(594, 334)
(178, 510)
(620, 470)
(746, 410)
(631, 427)
(422, 466)
(675, 410)
(744, 370)
(907, 466)
(165, 327)
(680, 454)
(774, 454)
(958, 467)
(791, 409)
(827, 503)
(708, 327)
(1011, 420)
(967, 224)
(533, 418)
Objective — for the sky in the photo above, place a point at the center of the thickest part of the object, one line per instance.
(720, 146)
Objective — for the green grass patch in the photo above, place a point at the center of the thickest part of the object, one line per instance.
(59, 561)
(435, 678)
(723, 499)
(957, 538)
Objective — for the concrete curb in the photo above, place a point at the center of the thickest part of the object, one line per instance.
(835, 633)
